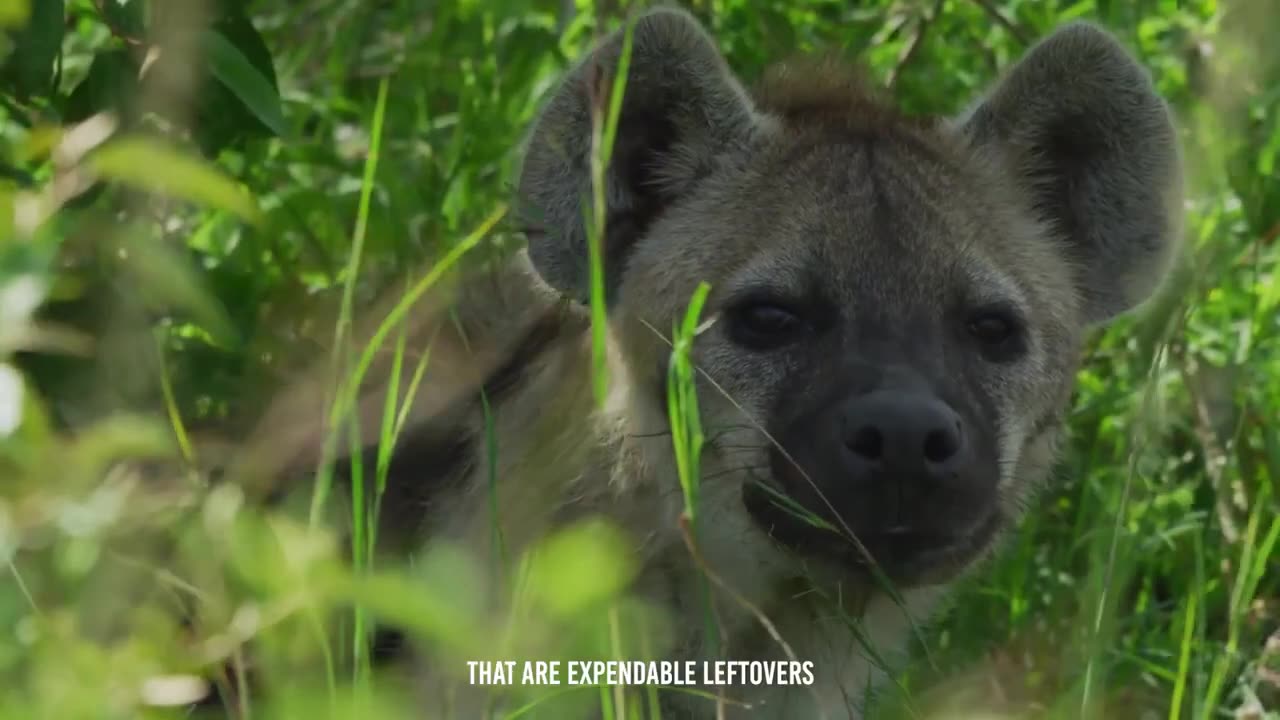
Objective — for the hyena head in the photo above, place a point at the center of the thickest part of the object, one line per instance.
(897, 303)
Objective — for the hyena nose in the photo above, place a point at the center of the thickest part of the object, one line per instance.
(903, 434)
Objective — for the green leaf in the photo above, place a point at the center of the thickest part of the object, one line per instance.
(149, 165)
(29, 68)
(14, 13)
(111, 84)
(124, 16)
(230, 66)
(222, 118)
(586, 563)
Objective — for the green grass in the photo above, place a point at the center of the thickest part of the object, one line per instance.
(1143, 585)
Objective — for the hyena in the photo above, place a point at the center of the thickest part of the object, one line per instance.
(897, 308)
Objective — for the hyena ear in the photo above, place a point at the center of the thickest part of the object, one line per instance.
(681, 107)
(1079, 123)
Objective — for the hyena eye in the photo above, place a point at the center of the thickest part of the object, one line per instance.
(763, 324)
(999, 333)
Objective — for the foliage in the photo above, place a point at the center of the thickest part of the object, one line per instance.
(191, 188)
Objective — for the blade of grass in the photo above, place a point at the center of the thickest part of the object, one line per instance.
(360, 668)
(498, 558)
(352, 273)
(1254, 556)
(1117, 531)
(171, 404)
(349, 389)
(1184, 655)
(602, 140)
(687, 437)
(386, 440)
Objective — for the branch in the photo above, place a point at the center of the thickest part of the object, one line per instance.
(1018, 33)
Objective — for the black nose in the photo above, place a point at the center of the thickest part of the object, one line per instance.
(903, 434)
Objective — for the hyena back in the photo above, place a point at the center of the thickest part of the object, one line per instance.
(896, 313)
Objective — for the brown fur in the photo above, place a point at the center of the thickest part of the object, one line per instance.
(826, 91)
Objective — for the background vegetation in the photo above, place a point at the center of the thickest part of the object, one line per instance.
(185, 183)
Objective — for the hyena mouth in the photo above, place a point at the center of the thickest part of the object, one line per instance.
(906, 555)
(895, 481)
(919, 558)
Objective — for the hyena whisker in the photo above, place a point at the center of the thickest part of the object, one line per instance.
(710, 438)
(731, 453)
(732, 471)
(741, 447)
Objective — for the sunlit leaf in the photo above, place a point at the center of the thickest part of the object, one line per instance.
(150, 165)
(14, 13)
(580, 566)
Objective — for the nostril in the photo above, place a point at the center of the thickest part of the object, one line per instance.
(941, 445)
(867, 442)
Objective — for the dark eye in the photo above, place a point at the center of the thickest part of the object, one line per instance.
(999, 332)
(763, 325)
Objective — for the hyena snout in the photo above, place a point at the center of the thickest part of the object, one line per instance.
(898, 466)
(914, 438)
(896, 471)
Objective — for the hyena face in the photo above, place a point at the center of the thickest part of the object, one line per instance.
(886, 337)
(898, 302)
